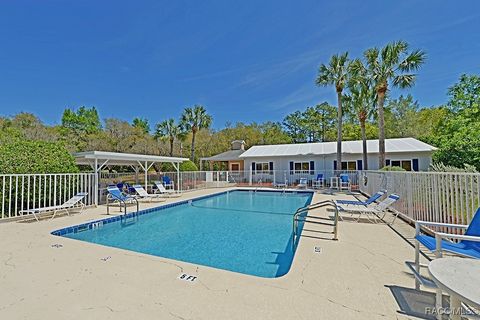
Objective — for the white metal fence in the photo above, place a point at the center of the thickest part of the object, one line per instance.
(429, 196)
(28, 191)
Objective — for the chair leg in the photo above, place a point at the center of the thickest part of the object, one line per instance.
(417, 263)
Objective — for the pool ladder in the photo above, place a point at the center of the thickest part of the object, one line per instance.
(317, 220)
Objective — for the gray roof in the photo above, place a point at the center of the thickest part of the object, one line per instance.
(348, 147)
(226, 156)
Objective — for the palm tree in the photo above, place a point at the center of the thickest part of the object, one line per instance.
(393, 64)
(335, 73)
(168, 129)
(194, 119)
(361, 100)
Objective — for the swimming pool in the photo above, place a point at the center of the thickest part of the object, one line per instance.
(241, 231)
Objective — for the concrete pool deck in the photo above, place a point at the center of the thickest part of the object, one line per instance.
(360, 276)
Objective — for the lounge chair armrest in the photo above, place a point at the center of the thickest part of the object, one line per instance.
(458, 236)
(439, 224)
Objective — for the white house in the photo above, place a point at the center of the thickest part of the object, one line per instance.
(408, 153)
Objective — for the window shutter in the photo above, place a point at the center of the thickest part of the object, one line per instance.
(312, 167)
(387, 163)
(415, 164)
(270, 166)
(334, 164)
(359, 165)
(253, 166)
(291, 167)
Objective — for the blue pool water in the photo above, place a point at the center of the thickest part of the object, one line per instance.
(241, 231)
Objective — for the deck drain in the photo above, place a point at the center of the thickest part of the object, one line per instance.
(57, 245)
(318, 249)
(187, 277)
(106, 259)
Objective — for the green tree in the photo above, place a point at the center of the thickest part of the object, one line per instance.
(141, 124)
(391, 66)
(361, 101)
(84, 120)
(294, 126)
(168, 130)
(458, 136)
(335, 73)
(194, 119)
(272, 133)
(403, 114)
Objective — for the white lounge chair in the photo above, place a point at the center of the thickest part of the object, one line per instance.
(374, 209)
(281, 185)
(145, 195)
(303, 183)
(166, 192)
(73, 202)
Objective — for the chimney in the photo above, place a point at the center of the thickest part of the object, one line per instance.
(238, 145)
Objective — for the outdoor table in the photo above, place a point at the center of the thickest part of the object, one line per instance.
(334, 183)
(460, 278)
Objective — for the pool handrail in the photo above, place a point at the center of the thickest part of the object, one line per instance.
(312, 206)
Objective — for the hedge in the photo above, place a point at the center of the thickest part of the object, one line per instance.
(184, 166)
(24, 156)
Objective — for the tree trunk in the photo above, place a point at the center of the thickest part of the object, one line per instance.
(381, 126)
(171, 146)
(339, 130)
(192, 147)
(364, 144)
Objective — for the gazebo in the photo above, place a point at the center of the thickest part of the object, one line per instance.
(100, 159)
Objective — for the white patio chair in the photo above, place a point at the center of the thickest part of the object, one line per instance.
(73, 202)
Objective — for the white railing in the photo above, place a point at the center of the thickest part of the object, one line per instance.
(28, 191)
(289, 177)
(429, 196)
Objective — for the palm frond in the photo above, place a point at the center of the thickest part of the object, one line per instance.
(413, 61)
(404, 80)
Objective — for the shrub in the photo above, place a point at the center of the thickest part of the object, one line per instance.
(184, 166)
(392, 168)
(25, 156)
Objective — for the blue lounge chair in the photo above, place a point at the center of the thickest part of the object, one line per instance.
(365, 203)
(117, 196)
(319, 182)
(167, 182)
(345, 182)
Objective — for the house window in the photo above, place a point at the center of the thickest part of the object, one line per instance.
(234, 166)
(262, 167)
(301, 167)
(349, 165)
(405, 164)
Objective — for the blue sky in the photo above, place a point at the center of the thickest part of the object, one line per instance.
(243, 60)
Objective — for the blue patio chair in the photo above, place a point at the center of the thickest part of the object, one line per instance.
(167, 182)
(345, 182)
(129, 188)
(468, 246)
(319, 182)
(365, 203)
(117, 196)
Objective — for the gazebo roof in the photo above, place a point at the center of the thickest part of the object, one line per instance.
(121, 159)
